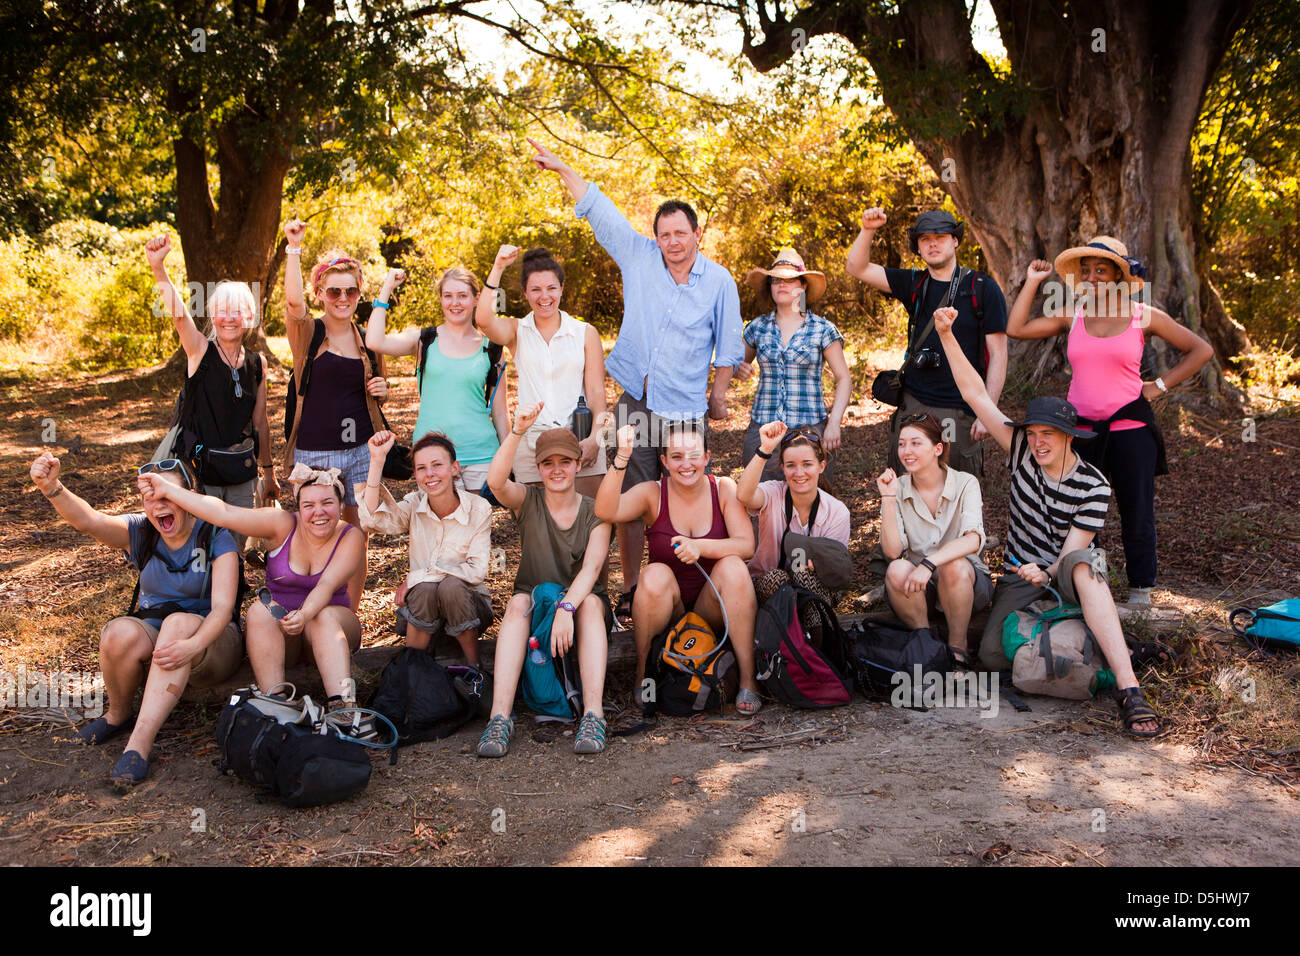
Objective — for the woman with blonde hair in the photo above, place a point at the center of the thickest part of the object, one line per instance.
(221, 423)
(457, 368)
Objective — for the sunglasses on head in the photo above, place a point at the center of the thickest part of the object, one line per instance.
(918, 418)
(791, 437)
(334, 293)
(167, 464)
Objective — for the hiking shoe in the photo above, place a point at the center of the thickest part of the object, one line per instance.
(590, 738)
(1139, 596)
(495, 741)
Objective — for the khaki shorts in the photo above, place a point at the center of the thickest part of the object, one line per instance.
(1014, 593)
(219, 659)
(525, 465)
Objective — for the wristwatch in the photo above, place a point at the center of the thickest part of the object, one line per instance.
(566, 606)
(1160, 384)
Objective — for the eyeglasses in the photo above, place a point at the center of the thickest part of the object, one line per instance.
(167, 464)
(334, 293)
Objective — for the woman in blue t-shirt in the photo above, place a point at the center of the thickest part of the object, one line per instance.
(184, 626)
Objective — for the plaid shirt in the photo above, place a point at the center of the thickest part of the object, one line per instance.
(790, 381)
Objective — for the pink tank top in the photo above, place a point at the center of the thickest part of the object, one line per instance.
(288, 587)
(1107, 371)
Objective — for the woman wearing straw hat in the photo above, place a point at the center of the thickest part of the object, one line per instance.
(792, 344)
(1107, 327)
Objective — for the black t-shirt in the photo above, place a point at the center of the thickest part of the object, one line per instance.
(935, 386)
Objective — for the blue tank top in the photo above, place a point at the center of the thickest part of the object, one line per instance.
(452, 402)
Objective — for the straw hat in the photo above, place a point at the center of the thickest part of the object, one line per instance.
(788, 265)
(1101, 247)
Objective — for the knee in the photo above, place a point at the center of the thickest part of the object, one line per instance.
(177, 627)
(120, 638)
(956, 574)
(897, 572)
(656, 581)
(518, 608)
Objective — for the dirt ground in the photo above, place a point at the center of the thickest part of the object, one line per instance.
(866, 784)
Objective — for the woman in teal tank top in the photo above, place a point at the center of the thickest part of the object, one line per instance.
(452, 387)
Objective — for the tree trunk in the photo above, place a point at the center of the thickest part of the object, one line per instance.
(236, 239)
(1090, 135)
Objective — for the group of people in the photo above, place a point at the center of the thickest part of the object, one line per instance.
(213, 483)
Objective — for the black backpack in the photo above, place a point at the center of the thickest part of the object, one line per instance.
(302, 767)
(873, 653)
(790, 668)
(424, 699)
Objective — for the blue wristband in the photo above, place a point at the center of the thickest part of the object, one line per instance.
(379, 305)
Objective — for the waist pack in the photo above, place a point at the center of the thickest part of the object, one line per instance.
(790, 668)
(1274, 627)
(552, 686)
(425, 700)
(873, 653)
(1053, 652)
(289, 748)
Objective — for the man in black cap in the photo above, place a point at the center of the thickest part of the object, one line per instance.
(927, 382)
(1058, 503)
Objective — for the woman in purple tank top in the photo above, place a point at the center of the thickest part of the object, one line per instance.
(1106, 323)
(312, 557)
(693, 521)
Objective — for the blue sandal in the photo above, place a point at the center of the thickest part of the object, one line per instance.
(100, 730)
(129, 770)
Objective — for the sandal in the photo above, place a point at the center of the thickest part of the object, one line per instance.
(960, 659)
(748, 702)
(624, 607)
(129, 770)
(100, 730)
(495, 741)
(1134, 709)
(1149, 653)
(590, 738)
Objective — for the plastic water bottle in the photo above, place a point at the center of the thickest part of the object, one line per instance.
(535, 651)
(582, 419)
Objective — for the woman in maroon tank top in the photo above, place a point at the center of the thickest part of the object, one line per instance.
(693, 521)
(323, 554)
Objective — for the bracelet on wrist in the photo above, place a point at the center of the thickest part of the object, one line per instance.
(519, 434)
(489, 285)
(927, 563)
(765, 455)
(293, 250)
(55, 493)
(379, 304)
(617, 467)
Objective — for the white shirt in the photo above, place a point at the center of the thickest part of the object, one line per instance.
(551, 372)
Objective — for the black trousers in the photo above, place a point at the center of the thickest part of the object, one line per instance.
(1129, 463)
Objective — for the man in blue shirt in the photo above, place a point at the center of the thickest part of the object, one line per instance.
(680, 311)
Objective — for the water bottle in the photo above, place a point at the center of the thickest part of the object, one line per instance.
(582, 419)
(535, 651)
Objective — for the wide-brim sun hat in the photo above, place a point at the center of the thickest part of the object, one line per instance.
(1101, 247)
(1054, 412)
(788, 265)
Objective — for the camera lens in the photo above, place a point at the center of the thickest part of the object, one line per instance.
(926, 359)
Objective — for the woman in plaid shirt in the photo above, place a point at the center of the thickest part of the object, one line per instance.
(792, 346)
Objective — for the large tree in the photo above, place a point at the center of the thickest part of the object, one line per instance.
(1085, 129)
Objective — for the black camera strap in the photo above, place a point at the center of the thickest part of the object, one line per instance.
(958, 273)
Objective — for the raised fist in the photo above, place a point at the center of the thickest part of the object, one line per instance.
(944, 318)
(294, 230)
(156, 250)
(626, 440)
(380, 443)
(873, 219)
(887, 483)
(525, 415)
(770, 435)
(506, 256)
(1038, 270)
(45, 472)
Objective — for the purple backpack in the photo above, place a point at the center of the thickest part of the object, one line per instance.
(790, 668)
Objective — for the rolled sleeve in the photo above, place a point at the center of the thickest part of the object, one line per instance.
(902, 527)
(474, 569)
(971, 512)
(391, 517)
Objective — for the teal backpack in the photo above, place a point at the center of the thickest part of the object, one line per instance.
(1276, 627)
(551, 687)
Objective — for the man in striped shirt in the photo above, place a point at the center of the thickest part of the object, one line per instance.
(1058, 504)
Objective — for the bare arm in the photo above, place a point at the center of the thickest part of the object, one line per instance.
(593, 560)
(573, 182)
(834, 354)
(270, 523)
(112, 530)
(747, 490)
(351, 554)
(996, 376)
(225, 584)
(1196, 351)
(740, 531)
(192, 340)
(969, 382)
(1019, 323)
(501, 329)
(262, 427)
(860, 265)
(511, 493)
(638, 502)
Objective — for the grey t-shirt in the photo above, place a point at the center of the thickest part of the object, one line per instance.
(176, 576)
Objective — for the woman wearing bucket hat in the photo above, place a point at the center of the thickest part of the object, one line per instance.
(1106, 327)
(792, 344)
(1058, 503)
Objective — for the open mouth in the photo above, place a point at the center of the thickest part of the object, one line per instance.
(166, 523)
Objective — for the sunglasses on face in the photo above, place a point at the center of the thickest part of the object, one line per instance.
(167, 464)
(334, 293)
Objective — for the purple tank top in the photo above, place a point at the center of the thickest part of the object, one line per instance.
(288, 587)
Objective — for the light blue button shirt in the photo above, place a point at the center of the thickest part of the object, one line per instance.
(670, 331)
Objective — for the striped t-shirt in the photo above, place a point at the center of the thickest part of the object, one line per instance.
(1042, 511)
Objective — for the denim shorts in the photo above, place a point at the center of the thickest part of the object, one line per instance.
(354, 463)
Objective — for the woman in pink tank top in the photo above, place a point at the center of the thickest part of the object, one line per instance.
(313, 555)
(693, 520)
(1106, 330)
